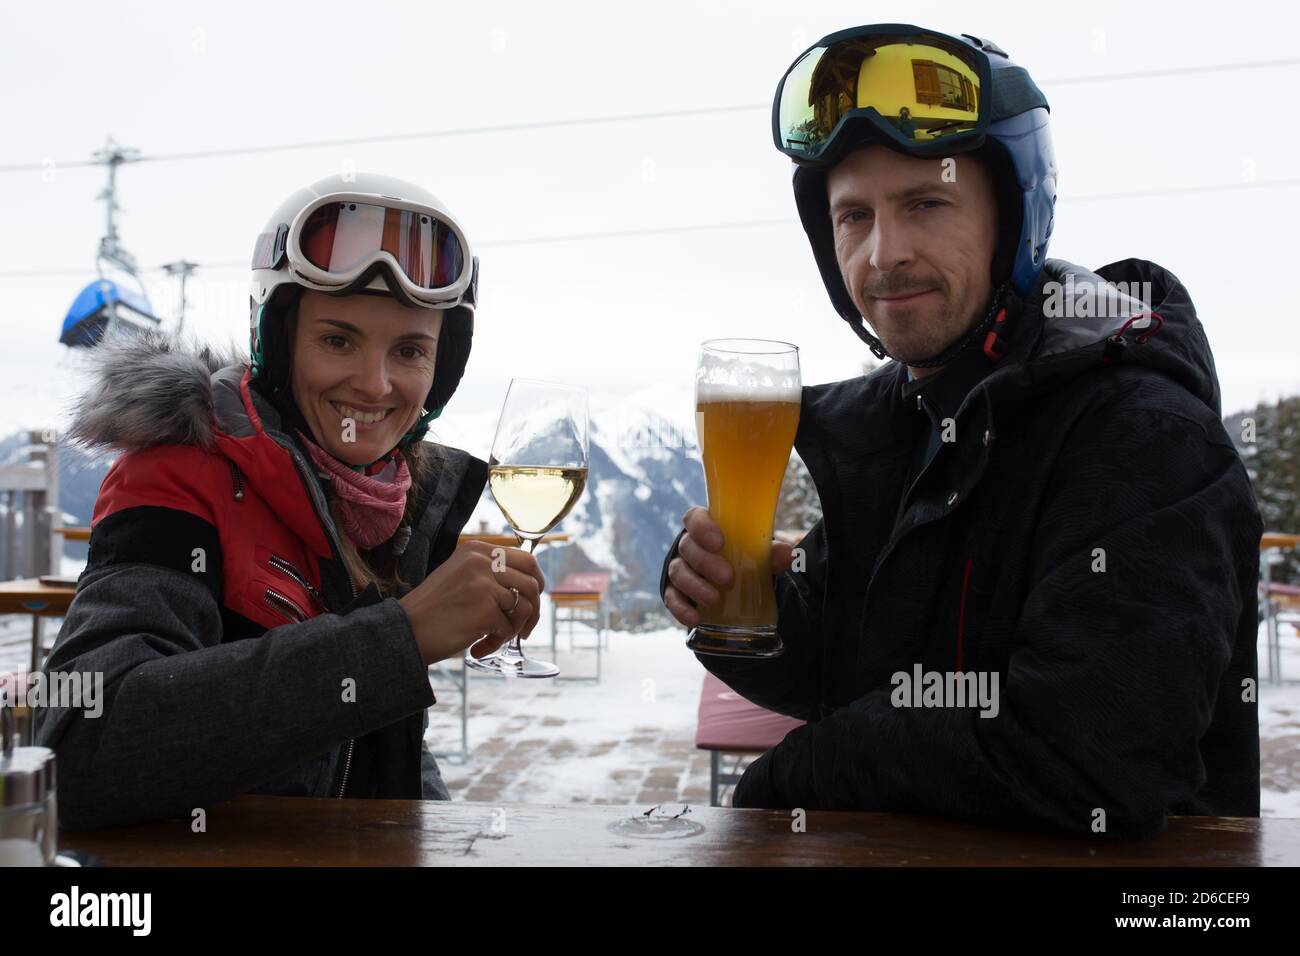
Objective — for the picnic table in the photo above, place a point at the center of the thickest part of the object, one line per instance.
(30, 596)
(581, 595)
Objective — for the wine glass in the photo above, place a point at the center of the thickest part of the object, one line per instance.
(537, 472)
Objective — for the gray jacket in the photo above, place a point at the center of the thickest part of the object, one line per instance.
(235, 653)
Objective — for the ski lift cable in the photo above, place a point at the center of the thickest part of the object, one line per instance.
(599, 120)
(700, 227)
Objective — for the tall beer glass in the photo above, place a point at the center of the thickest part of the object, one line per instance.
(747, 394)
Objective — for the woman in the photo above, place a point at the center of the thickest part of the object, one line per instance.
(273, 562)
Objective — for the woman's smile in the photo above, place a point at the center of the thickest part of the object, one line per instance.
(364, 419)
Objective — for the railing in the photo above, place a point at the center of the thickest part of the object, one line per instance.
(36, 548)
(1272, 600)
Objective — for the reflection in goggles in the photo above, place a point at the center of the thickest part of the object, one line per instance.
(340, 236)
(924, 90)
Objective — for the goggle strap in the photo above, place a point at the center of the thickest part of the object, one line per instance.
(1014, 92)
(470, 296)
(269, 251)
(258, 352)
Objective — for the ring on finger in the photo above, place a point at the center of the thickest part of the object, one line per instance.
(516, 604)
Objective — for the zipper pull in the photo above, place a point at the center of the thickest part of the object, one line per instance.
(237, 480)
(401, 539)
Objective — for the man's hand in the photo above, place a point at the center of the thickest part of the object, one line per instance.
(699, 569)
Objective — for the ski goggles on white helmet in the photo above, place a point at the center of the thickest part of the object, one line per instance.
(340, 242)
(923, 92)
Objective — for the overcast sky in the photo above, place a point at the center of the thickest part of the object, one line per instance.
(621, 315)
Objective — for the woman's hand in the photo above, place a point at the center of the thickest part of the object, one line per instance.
(465, 602)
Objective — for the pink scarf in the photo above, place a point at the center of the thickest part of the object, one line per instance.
(369, 507)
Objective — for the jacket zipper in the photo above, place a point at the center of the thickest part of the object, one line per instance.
(277, 563)
(286, 606)
(237, 480)
(907, 494)
(895, 539)
(322, 512)
(961, 608)
(347, 760)
(323, 509)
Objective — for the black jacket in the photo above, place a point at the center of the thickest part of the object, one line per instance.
(1126, 694)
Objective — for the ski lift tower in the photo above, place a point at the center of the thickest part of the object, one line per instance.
(183, 268)
(110, 305)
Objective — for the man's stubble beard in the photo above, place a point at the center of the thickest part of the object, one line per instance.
(933, 341)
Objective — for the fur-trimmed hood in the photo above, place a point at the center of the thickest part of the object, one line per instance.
(153, 389)
(149, 389)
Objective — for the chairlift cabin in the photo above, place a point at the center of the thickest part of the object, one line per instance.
(115, 301)
(102, 305)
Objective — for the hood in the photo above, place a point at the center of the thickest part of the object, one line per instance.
(1072, 312)
(148, 389)
(153, 389)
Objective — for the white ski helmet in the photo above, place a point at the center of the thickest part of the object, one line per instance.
(372, 234)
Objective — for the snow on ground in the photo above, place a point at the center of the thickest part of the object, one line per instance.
(544, 741)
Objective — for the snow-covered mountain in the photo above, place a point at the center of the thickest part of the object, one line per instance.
(643, 474)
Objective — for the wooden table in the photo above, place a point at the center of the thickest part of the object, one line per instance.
(301, 831)
(30, 596)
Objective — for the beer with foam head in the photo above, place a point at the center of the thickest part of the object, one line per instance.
(747, 396)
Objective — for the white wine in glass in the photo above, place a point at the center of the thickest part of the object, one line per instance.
(537, 472)
(533, 498)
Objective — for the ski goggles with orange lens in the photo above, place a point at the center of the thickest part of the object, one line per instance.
(924, 92)
(340, 242)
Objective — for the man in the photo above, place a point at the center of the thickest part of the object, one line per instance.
(904, 123)
(1030, 598)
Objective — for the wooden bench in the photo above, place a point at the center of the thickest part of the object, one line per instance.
(728, 724)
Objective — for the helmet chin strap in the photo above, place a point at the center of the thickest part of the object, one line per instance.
(974, 334)
(417, 432)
